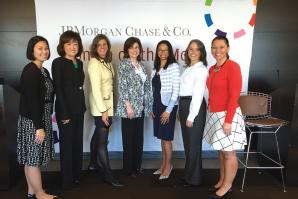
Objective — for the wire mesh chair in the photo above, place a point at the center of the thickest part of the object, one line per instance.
(256, 109)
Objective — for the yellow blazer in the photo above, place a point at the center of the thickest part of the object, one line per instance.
(101, 90)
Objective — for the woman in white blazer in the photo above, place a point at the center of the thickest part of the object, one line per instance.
(101, 75)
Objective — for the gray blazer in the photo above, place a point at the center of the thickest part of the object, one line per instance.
(130, 88)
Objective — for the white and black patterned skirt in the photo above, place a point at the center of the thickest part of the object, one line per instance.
(28, 151)
(215, 135)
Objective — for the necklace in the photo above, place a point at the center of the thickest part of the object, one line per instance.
(75, 65)
(136, 65)
(217, 68)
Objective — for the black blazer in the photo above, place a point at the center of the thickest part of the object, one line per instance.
(32, 100)
(68, 83)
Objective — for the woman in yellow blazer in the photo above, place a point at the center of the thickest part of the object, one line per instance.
(101, 75)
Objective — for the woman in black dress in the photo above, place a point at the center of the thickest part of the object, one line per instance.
(34, 139)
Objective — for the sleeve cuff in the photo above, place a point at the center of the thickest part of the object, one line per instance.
(190, 118)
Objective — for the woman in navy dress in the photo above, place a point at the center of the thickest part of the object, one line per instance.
(165, 84)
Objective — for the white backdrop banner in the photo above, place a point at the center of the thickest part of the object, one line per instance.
(178, 21)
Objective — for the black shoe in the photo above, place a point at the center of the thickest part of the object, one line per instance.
(225, 196)
(76, 185)
(214, 189)
(186, 184)
(182, 183)
(191, 185)
(31, 196)
(130, 174)
(93, 167)
(133, 175)
(114, 183)
(140, 171)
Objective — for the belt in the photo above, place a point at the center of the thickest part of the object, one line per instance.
(185, 97)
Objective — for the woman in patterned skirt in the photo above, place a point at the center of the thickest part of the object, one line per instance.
(34, 139)
(224, 129)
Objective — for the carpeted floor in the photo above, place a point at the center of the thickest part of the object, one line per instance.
(147, 186)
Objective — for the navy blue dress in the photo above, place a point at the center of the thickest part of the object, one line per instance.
(162, 131)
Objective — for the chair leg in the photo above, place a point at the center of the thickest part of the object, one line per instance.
(279, 159)
(246, 161)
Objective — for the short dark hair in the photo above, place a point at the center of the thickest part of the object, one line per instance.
(93, 48)
(30, 47)
(202, 49)
(220, 37)
(66, 37)
(171, 58)
(129, 43)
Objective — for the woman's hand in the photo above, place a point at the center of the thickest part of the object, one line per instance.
(130, 113)
(164, 118)
(227, 128)
(39, 136)
(105, 118)
(65, 121)
(152, 115)
(189, 123)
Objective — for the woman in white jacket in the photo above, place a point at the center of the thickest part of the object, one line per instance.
(101, 75)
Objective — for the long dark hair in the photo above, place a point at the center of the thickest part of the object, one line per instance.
(93, 48)
(171, 58)
(221, 38)
(202, 49)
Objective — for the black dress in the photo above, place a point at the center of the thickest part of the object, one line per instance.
(28, 151)
(162, 131)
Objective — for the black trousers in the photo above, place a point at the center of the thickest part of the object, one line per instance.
(133, 140)
(99, 156)
(71, 149)
(192, 140)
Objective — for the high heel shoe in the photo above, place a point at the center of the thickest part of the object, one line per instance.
(157, 172)
(31, 196)
(162, 177)
(214, 189)
(215, 196)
